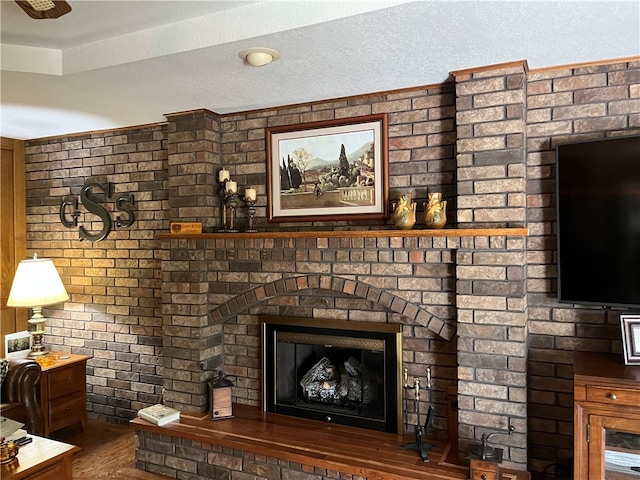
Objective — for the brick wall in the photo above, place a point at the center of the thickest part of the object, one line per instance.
(177, 457)
(569, 104)
(114, 314)
(130, 293)
(389, 289)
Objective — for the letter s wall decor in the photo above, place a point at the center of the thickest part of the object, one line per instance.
(124, 202)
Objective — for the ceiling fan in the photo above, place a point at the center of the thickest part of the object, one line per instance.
(41, 9)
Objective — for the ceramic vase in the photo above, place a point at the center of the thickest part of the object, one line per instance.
(404, 213)
(435, 211)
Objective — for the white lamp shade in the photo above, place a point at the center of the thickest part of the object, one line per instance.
(36, 284)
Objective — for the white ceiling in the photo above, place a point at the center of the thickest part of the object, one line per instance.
(110, 64)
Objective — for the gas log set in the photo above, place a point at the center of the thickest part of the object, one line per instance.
(344, 384)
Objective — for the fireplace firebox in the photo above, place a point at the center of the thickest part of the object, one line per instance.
(343, 372)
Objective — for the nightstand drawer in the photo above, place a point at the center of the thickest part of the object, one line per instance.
(66, 380)
(613, 396)
(64, 409)
(484, 476)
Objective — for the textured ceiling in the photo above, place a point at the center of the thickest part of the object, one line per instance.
(110, 64)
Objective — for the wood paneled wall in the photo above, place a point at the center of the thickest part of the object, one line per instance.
(13, 231)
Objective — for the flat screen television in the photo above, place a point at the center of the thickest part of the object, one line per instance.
(598, 207)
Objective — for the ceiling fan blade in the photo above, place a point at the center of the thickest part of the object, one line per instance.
(44, 9)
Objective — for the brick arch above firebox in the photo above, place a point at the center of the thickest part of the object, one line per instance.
(415, 313)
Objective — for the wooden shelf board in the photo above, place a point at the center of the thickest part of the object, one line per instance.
(387, 233)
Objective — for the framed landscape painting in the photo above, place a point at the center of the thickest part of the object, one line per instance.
(328, 171)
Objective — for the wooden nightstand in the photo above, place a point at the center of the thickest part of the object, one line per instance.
(63, 392)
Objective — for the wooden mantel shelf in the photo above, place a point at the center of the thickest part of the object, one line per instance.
(387, 233)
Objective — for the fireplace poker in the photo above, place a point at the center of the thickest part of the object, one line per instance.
(404, 399)
(420, 431)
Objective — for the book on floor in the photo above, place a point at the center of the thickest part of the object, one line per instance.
(159, 414)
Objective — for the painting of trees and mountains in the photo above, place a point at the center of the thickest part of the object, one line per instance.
(327, 171)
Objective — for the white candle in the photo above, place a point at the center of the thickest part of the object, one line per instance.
(223, 175)
(250, 194)
(232, 187)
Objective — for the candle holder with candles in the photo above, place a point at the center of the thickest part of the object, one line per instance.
(223, 179)
(231, 202)
(420, 430)
(250, 200)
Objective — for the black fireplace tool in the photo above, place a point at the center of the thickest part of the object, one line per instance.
(420, 431)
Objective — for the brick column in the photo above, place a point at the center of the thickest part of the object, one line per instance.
(491, 271)
(492, 343)
(193, 162)
(491, 176)
(191, 348)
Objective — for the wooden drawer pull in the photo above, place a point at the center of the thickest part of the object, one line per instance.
(613, 396)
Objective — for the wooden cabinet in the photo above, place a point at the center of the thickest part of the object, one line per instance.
(606, 418)
(63, 392)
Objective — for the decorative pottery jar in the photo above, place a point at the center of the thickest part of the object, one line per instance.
(435, 211)
(404, 213)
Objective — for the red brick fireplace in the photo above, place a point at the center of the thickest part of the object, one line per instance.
(458, 295)
(434, 269)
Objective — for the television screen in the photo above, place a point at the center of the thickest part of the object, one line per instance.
(598, 206)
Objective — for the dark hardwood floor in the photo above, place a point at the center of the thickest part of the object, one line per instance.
(107, 452)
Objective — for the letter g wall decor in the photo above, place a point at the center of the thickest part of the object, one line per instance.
(123, 203)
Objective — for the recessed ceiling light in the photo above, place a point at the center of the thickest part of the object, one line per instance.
(257, 57)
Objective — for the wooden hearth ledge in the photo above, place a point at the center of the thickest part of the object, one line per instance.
(367, 453)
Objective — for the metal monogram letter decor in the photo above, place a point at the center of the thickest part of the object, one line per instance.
(123, 203)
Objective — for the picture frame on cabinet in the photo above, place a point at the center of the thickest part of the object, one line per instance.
(328, 171)
(17, 345)
(630, 325)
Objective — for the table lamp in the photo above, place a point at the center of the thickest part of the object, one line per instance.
(36, 284)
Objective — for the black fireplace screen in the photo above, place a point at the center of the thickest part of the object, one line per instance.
(340, 372)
